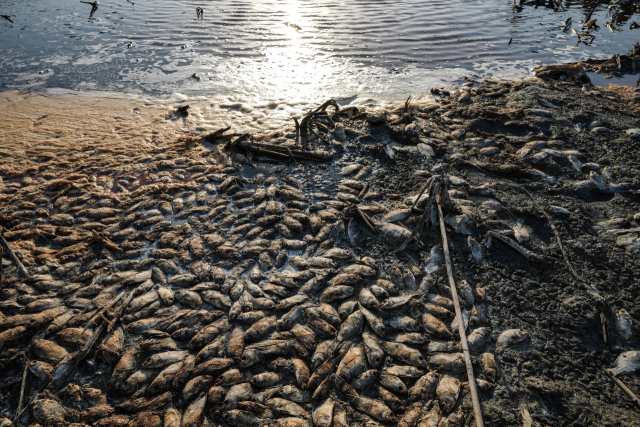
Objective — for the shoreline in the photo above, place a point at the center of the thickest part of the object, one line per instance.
(204, 242)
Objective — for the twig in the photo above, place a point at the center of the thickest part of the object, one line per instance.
(431, 183)
(212, 136)
(24, 383)
(364, 190)
(461, 324)
(5, 246)
(623, 387)
(590, 290)
(367, 221)
(25, 408)
(513, 245)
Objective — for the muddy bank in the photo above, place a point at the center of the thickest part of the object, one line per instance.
(232, 281)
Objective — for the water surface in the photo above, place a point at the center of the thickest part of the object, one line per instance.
(286, 54)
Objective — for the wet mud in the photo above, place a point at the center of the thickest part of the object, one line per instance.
(203, 281)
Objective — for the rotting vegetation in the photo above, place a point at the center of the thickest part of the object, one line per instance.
(297, 278)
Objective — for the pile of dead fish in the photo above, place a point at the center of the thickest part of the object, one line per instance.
(187, 290)
(228, 298)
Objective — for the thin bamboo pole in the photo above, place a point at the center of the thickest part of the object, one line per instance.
(461, 326)
(623, 387)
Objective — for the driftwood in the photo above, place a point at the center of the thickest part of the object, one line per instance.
(286, 152)
(213, 136)
(461, 324)
(7, 249)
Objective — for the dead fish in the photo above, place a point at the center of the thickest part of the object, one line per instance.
(395, 302)
(389, 398)
(336, 293)
(375, 323)
(287, 407)
(490, 367)
(237, 393)
(172, 418)
(628, 361)
(48, 350)
(455, 419)
(510, 337)
(350, 169)
(478, 338)
(211, 366)
(405, 354)
(444, 347)
(432, 419)
(623, 324)
(161, 360)
(476, 250)
(404, 323)
(447, 392)
(453, 362)
(353, 325)
(394, 232)
(403, 371)
(49, 412)
(195, 386)
(409, 280)
(396, 215)
(364, 172)
(323, 414)
(465, 321)
(360, 270)
(425, 387)
(193, 414)
(411, 416)
(340, 416)
(164, 379)
(137, 380)
(365, 380)
(373, 350)
(388, 287)
(372, 407)
(434, 326)
(40, 369)
(411, 338)
(291, 392)
(393, 383)
(238, 418)
(353, 363)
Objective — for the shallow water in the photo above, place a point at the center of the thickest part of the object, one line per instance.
(262, 61)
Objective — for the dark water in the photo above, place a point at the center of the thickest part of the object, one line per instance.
(294, 50)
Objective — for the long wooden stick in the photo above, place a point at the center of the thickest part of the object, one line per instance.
(5, 245)
(623, 387)
(461, 324)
